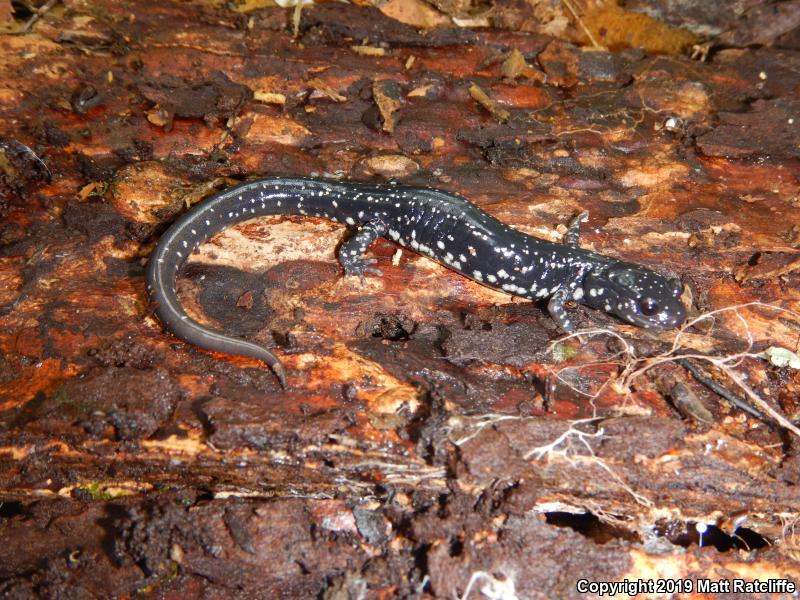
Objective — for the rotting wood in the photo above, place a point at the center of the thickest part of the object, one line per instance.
(438, 433)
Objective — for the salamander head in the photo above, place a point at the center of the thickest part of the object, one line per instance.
(636, 295)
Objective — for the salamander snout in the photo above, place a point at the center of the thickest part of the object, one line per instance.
(636, 295)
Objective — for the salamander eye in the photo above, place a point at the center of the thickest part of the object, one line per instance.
(648, 307)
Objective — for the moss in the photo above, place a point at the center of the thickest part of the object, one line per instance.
(562, 352)
(96, 492)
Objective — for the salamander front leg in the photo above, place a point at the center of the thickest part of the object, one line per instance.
(351, 252)
(572, 237)
(556, 309)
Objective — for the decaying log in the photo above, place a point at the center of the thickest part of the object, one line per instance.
(438, 439)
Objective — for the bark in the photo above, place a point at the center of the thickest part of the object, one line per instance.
(435, 432)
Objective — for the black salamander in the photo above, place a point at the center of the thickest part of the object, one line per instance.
(437, 224)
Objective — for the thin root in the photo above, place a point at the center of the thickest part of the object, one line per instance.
(634, 366)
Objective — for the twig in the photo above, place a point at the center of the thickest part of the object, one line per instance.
(636, 366)
(726, 363)
(719, 389)
(588, 33)
(38, 14)
(27, 150)
(760, 402)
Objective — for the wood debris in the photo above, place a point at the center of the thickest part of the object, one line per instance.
(500, 113)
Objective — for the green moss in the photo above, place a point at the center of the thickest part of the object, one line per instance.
(562, 352)
(96, 492)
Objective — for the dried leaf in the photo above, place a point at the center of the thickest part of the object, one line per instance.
(416, 13)
(781, 357)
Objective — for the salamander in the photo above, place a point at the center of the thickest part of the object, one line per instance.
(437, 224)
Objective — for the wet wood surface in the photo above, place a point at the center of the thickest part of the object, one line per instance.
(437, 437)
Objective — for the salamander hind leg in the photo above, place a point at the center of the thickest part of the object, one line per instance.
(351, 252)
(573, 235)
(557, 311)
